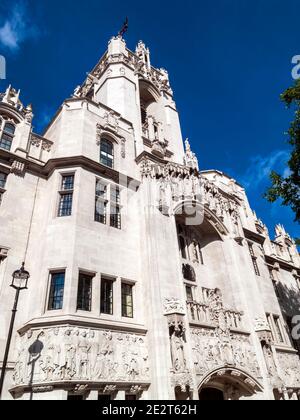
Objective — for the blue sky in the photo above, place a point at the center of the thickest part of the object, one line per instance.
(228, 60)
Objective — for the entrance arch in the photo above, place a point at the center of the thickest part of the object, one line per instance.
(228, 384)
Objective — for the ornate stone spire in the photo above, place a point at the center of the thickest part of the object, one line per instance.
(11, 97)
(190, 159)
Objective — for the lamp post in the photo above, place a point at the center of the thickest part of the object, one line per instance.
(19, 282)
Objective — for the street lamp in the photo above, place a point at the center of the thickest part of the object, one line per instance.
(19, 282)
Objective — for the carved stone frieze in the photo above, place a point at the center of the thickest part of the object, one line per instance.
(176, 183)
(76, 354)
(212, 350)
(18, 168)
(42, 389)
(190, 159)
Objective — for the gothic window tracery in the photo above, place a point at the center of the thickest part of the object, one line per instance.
(189, 245)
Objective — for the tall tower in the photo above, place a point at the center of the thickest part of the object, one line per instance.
(148, 278)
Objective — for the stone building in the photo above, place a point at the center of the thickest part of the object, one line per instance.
(149, 278)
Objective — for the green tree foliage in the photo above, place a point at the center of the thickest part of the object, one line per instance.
(287, 188)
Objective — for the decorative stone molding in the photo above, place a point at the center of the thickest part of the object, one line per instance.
(69, 354)
(159, 148)
(232, 389)
(35, 141)
(110, 389)
(184, 381)
(80, 389)
(179, 184)
(213, 350)
(18, 168)
(98, 134)
(190, 159)
(261, 324)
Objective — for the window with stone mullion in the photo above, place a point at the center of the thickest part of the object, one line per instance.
(7, 135)
(101, 201)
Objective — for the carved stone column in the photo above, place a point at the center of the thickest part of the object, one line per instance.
(181, 376)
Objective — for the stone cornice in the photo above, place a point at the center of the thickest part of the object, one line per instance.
(283, 264)
(256, 237)
(88, 101)
(44, 171)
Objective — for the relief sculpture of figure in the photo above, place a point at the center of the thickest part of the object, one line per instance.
(177, 350)
(104, 356)
(84, 349)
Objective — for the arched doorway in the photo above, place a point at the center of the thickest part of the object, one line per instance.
(211, 394)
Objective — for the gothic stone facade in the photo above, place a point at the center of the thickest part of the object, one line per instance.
(149, 278)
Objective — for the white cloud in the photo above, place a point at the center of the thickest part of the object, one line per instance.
(17, 28)
(260, 168)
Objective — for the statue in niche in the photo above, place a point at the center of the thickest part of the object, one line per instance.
(20, 368)
(56, 349)
(195, 252)
(269, 358)
(177, 349)
(143, 353)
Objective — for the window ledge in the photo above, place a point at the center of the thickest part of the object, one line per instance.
(58, 318)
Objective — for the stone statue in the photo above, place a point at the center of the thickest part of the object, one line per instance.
(177, 350)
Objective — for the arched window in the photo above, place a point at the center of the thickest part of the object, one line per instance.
(7, 136)
(107, 153)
